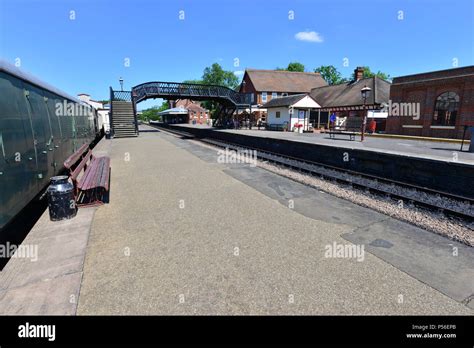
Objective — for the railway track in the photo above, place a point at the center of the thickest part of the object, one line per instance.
(421, 197)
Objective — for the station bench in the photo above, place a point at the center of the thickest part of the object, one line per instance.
(274, 127)
(350, 131)
(92, 187)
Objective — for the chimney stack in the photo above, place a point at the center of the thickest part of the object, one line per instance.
(359, 73)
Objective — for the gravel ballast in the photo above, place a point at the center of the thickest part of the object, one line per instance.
(433, 221)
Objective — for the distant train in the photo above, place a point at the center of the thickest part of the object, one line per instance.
(40, 127)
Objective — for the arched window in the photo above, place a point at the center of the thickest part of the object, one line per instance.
(446, 109)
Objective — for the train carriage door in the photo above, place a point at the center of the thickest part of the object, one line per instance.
(42, 137)
(54, 114)
(66, 125)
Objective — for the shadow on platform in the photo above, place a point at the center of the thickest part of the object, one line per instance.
(17, 230)
(149, 131)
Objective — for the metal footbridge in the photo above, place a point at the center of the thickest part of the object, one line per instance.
(123, 115)
(174, 90)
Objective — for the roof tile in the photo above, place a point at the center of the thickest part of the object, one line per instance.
(284, 81)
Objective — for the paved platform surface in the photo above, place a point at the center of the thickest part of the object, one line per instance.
(418, 148)
(184, 234)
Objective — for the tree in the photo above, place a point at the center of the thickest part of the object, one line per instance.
(295, 66)
(152, 113)
(199, 82)
(215, 75)
(330, 74)
(367, 73)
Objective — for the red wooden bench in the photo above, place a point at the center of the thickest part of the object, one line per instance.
(92, 187)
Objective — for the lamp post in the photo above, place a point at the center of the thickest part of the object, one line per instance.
(365, 92)
(121, 84)
(245, 111)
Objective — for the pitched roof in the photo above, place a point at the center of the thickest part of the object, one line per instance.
(175, 111)
(284, 81)
(347, 94)
(195, 108)
(284, 101)
(190, 105)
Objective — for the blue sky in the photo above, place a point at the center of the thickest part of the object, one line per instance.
(88, 53)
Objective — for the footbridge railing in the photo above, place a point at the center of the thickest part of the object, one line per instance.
(176, 90)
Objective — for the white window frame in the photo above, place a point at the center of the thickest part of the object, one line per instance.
(264, 97)
(274, 95)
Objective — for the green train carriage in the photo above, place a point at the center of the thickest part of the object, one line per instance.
(36, 135)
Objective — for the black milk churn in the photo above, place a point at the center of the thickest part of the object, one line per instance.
(61, 201)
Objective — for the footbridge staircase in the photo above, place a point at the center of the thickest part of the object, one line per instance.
(123, 116)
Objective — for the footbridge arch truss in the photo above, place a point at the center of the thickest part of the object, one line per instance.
(195, 91)
(228, 99)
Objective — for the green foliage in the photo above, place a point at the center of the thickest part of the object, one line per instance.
(295, 66)
(368, 73)
(152, 113)
(199, 82)
(330, 74)
(215, 75)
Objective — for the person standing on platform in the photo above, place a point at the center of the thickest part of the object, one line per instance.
(332, 121)
(372, 126)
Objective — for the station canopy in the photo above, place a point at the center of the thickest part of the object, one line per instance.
(174, 111)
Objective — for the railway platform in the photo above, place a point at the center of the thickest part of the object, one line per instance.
(440, 149)
(436, 166)
(186, 234)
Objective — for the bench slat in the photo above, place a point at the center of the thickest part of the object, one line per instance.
(89, 181)
(105, 173)
(69, 162)
(96, 175)
(80, 166)
(88, 174)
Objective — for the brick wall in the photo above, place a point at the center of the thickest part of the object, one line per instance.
(424, 89)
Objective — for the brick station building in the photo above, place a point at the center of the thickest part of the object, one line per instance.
(265, 85)
(196, 113)
(345, 101)
(446, 103)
